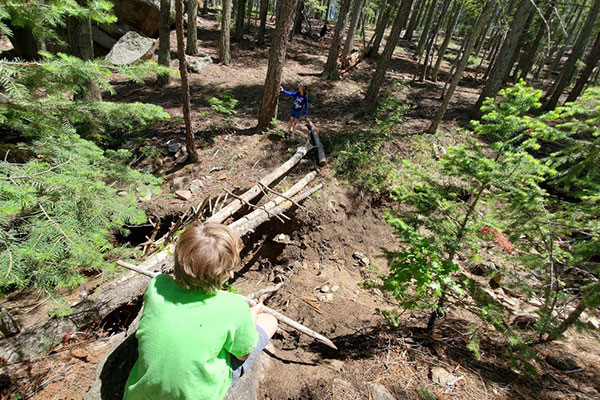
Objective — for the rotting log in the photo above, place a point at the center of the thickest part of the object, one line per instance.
(255, 190)
(321, 158)
(280, 317)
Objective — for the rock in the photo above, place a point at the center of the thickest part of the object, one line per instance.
(485, 268)
(362, 259)
(325, 289)
(130, 48)
(562, 362)
(102, 38)
(143, 15)
(535, 302)
(337, 365)
(178, 183)
(114, 30)
(496, 280)
(525, 321)
(335, 288)
(196, 186)
(328, 296)
(441, 376)
(184, 195)
(282, 238)
(122, 193)
(196, 64)
(173, 146)
(182, 159)
(380, 392)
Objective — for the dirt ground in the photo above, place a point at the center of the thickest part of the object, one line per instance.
(321, 255)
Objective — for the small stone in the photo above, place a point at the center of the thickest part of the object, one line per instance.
(196, 186)
(380, 392)
(325, 289)
(362, 259)
(335, 288)
(178, 183)
(562, 362)
(122, 193)
(184, 194)
(535, 302)
(328, 296)
(441, 376)
(525, 321)
(181, 159)
(357, 292)
(173, 146)
(595, 322)
(337, 365)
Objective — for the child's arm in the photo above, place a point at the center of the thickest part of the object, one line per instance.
(286, 91)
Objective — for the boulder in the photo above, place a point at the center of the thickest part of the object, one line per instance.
(130, 48)
(102, 38)
(380, 392)
(562, 362)
(194, 63)
(143, 15)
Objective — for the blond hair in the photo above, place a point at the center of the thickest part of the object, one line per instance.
(204, 256)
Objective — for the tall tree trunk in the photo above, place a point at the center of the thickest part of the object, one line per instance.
(502, 65)
(164, 41)
(358, 5)
(388, 51)
(417, 10)
(570, 67)
(191, 47)
(205, 7)
(239, 20)
(528, 58)
(249, 12)
(331, 67)
(483, 19)
(224, 40)
(425, 31)
(447, 38)
(380, 31)
(297, 29)
(590, 63)
(185, 88)
(260, 36)
(326, 17)
(574, 28)
(433, 38)
(79, 31)
(285, 18)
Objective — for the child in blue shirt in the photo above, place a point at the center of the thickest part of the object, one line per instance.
(299, 107)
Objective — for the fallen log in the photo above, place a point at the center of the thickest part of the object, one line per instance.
(255, 190)
(240, 225)
(280, 317)
(321, 158)
(253, 220)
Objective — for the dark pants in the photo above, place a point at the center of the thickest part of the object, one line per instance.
(240, 367)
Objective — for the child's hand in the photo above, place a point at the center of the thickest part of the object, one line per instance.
(281, 88)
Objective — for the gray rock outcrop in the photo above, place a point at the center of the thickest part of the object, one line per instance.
(130, 48)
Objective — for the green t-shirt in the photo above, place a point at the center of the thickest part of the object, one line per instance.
(185, 341)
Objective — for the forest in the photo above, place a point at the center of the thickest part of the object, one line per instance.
(426, 227)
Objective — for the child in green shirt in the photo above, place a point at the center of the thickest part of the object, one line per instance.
(194, 339)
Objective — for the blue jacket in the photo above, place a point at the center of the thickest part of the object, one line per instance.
(300, 101)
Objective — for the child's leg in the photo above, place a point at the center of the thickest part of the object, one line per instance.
(268, 323)
(291, 125)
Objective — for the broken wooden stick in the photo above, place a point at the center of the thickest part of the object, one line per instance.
(280, 317)
(255, 190)
(262, 292)
(321, 158)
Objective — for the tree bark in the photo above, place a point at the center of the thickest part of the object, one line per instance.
(205, 7)
(570, 67)
(388, 51)
(590, 63)
(285, 18)
(482, 21)
(164, 41)
(331, 67)
(326, 18)
(528, 58)
(358, 5)
(185, 88)
(264, 9)
(225, 40)
(425, 31)
(502, 65)
(380, 31)
(8, 325)
(79, 31)
(433, 38)
(447, 38)
(239, 20)
(192, 30)
(418, 9)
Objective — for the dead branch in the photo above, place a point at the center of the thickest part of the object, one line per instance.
(255, 207)
(280, 317)
(251, 193)
(262, 292)
(268, 189)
